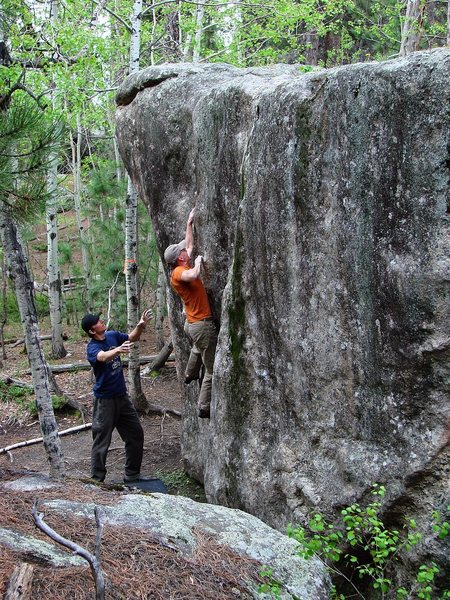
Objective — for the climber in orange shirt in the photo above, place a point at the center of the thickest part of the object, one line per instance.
(186, 281)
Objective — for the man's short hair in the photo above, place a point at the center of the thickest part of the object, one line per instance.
(172, 252)
(89, 320)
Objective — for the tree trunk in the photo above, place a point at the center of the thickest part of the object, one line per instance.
(39, 368)
(54, 275)
(160, 306)
(448, 23)
(4, 309)
(231, 25)
(198, 32)
(412, 26)
(20, 584)
(160, 360)
(76, 162)
(131, 241)
(132, 286)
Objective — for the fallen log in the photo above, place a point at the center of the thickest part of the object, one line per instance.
(84, 365)
(41, 439)
(161, 358)
(19, 586)
(151, 409)
(156, 409)
(18, 341)
(16, 382)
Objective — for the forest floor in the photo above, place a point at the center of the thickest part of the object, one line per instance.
(136, 567)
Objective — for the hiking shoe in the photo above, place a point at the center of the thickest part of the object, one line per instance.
(204, 413)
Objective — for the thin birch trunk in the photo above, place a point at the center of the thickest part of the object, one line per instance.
(4, 309)
(54, 275)
(39, 368)
(76, 166)
(160, 306)
(131, 240)
(231, 26)
(132, 289)
(200, 12)
(412, 27)
(448, 23)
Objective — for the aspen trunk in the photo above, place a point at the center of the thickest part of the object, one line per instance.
(54, 276)
(4, 316)
(131, 240)
(448, 24)
(132, 288)
(198, 32)
(412, 27)
(39, 368)
(76, 165)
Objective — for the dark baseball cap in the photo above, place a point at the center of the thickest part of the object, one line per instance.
(89, 320)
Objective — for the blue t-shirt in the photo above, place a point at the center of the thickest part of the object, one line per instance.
(109, 379)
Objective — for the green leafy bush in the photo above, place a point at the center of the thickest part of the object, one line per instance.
(364, 547)
(21, 397)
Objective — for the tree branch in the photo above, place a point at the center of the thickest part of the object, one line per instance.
(115, 15)
(93, 560)
(213, 4)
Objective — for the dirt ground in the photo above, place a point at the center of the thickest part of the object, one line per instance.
(162, 455)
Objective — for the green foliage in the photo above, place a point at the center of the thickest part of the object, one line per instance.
(271, 585)
(12, 310)
(59, 404)
(179, 483)
(75, 63)
(369, 549)
(42, 306)
(21, 397)
(103, 184)
(441, 527)
(26, 139)
(14, 393)
(40, 247)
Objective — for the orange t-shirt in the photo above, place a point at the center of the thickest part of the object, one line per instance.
(193, 294)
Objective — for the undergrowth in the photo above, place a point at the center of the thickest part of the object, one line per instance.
(361, 553)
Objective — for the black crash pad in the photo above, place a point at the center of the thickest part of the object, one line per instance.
(154, 485)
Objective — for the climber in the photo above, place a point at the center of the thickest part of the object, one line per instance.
(187, 283)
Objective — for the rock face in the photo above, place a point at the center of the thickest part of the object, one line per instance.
(323, 214)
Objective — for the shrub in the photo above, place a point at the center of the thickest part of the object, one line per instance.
(363, 546)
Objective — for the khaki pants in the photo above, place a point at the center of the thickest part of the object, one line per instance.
(194, 363)
(204, 336)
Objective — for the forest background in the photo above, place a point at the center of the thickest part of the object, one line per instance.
(61, 62)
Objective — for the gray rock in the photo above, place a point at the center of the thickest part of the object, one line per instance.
(39, 549)
(173, 518)
(31, 483)
(323, 214)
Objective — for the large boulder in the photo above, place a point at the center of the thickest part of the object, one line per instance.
(323, 213)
